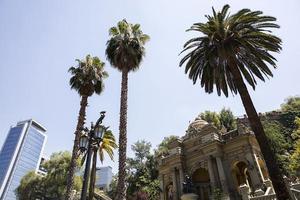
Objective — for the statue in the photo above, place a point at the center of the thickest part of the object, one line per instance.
(188, 186)
(188, 189)
(170, 192)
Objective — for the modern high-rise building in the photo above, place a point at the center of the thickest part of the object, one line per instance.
(103, 177)
(20, 154)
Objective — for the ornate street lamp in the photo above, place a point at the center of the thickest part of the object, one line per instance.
(83, 141)
(99, 132)
(89, 140)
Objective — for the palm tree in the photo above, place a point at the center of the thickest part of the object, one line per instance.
(87, 79)
(125, 51)
(107, 145)
(234, 49)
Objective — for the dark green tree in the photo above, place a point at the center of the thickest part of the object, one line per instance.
(141, 149)
(227, 119)
(230, 51)
(125, 51)
(31, 187)
(278, 144)
(142, 174)
(53, 185)
(294, 164)
(87, 79)
(162, 148)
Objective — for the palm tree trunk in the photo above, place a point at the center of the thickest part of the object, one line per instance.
(93, 176)
(121, 190)
(256, 126)
(73, 165)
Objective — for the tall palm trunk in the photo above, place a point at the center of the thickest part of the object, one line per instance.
(80, 124)
(121, 190)
(256, 125)
(93, 176)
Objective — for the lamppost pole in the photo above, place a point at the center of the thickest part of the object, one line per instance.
(87, 168)
(91, 135)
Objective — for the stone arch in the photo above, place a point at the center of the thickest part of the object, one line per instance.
(201, 181)
(240, 173)
(196, 166)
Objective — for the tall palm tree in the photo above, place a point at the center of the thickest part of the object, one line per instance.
(107, 145)
(87, 79)
(125, 51)
(232, 50)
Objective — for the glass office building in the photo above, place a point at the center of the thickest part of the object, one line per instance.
(103, 178)
(20, 154)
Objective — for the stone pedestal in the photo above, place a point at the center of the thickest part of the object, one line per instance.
(189, 196)
(244, 191)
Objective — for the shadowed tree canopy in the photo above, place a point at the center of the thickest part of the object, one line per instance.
(125, 49)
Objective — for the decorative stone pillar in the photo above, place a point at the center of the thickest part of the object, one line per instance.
(175, 189)
(211, 172)
(181, 180)
(222, 175)
(162, 186)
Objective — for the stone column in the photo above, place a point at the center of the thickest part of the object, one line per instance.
(181, 180)
(222, 175)
(162, 187)
(211, 172)
(259, 169)
(175, 189)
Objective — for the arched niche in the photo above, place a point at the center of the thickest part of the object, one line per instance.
(201, 181)
(241, 174)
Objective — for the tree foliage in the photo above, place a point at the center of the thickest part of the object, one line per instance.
(295, 157)
(125, 48)
(53, 185)
(295, 160)
(87, 77)
(223, 119)
(162, 148)
(142, 174)
(31, 187)
(291, 104)
(243, 40)
(211, 117)
(278, 144)
(227, 119)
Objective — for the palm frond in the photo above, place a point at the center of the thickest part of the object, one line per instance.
(245, 37)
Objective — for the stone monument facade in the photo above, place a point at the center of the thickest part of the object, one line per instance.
(213, 159)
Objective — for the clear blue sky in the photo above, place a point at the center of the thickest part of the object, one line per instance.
(39, 41)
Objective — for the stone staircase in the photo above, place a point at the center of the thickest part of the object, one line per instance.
(100, 195)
